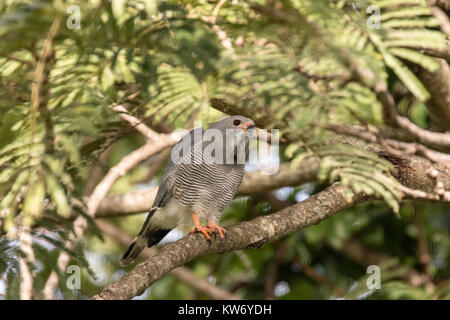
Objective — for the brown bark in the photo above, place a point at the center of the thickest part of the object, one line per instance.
(246, 235)
(411, 171)
(182, 273)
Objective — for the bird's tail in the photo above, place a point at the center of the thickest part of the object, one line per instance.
(133, 251)
(149, 236)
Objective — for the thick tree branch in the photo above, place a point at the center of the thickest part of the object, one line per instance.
(246, 235)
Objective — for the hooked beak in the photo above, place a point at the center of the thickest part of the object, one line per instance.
(248, 125)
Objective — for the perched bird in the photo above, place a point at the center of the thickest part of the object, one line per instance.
(200, 179)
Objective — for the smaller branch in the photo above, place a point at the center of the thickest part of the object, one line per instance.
(392, 117)
(444, 4)
(422, 135)
(26, 275)
(356, 251)
(101, 190)
(437, 53)
(419, 149)
(422, 250)
(403, 148)
(272, 270)
(136, 123)
(353, 131)
(417, 194)
(218, 7)
(23, 61)
(439, 14)
(313, 274)
(39, 77)
(157, 162)
(257, 182)
(118, 205)
(125, 165)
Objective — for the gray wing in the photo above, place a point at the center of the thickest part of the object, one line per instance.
(169, 178)
(212, 185)
(151, 234)
(166, 185)
(208, 187)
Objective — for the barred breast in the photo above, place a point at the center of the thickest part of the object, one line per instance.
(207, 187)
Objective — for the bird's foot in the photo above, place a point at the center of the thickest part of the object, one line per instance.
(206, 231)
(217, 229)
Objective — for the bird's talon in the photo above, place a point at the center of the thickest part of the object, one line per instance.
(206, 231)
(203, 230)
(217, 229)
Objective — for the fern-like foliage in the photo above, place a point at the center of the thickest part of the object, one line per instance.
(290, 66)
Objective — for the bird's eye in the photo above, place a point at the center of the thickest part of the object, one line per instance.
(237, 122)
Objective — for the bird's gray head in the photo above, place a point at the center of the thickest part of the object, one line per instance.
(238, 123)
(224, 142)
(237, 131)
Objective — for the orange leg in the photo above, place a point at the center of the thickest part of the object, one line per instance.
(206, 231)
(221, 231)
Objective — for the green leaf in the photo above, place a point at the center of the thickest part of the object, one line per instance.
(33, 203)
(58, 196)
(407, 77)
(426, 62)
